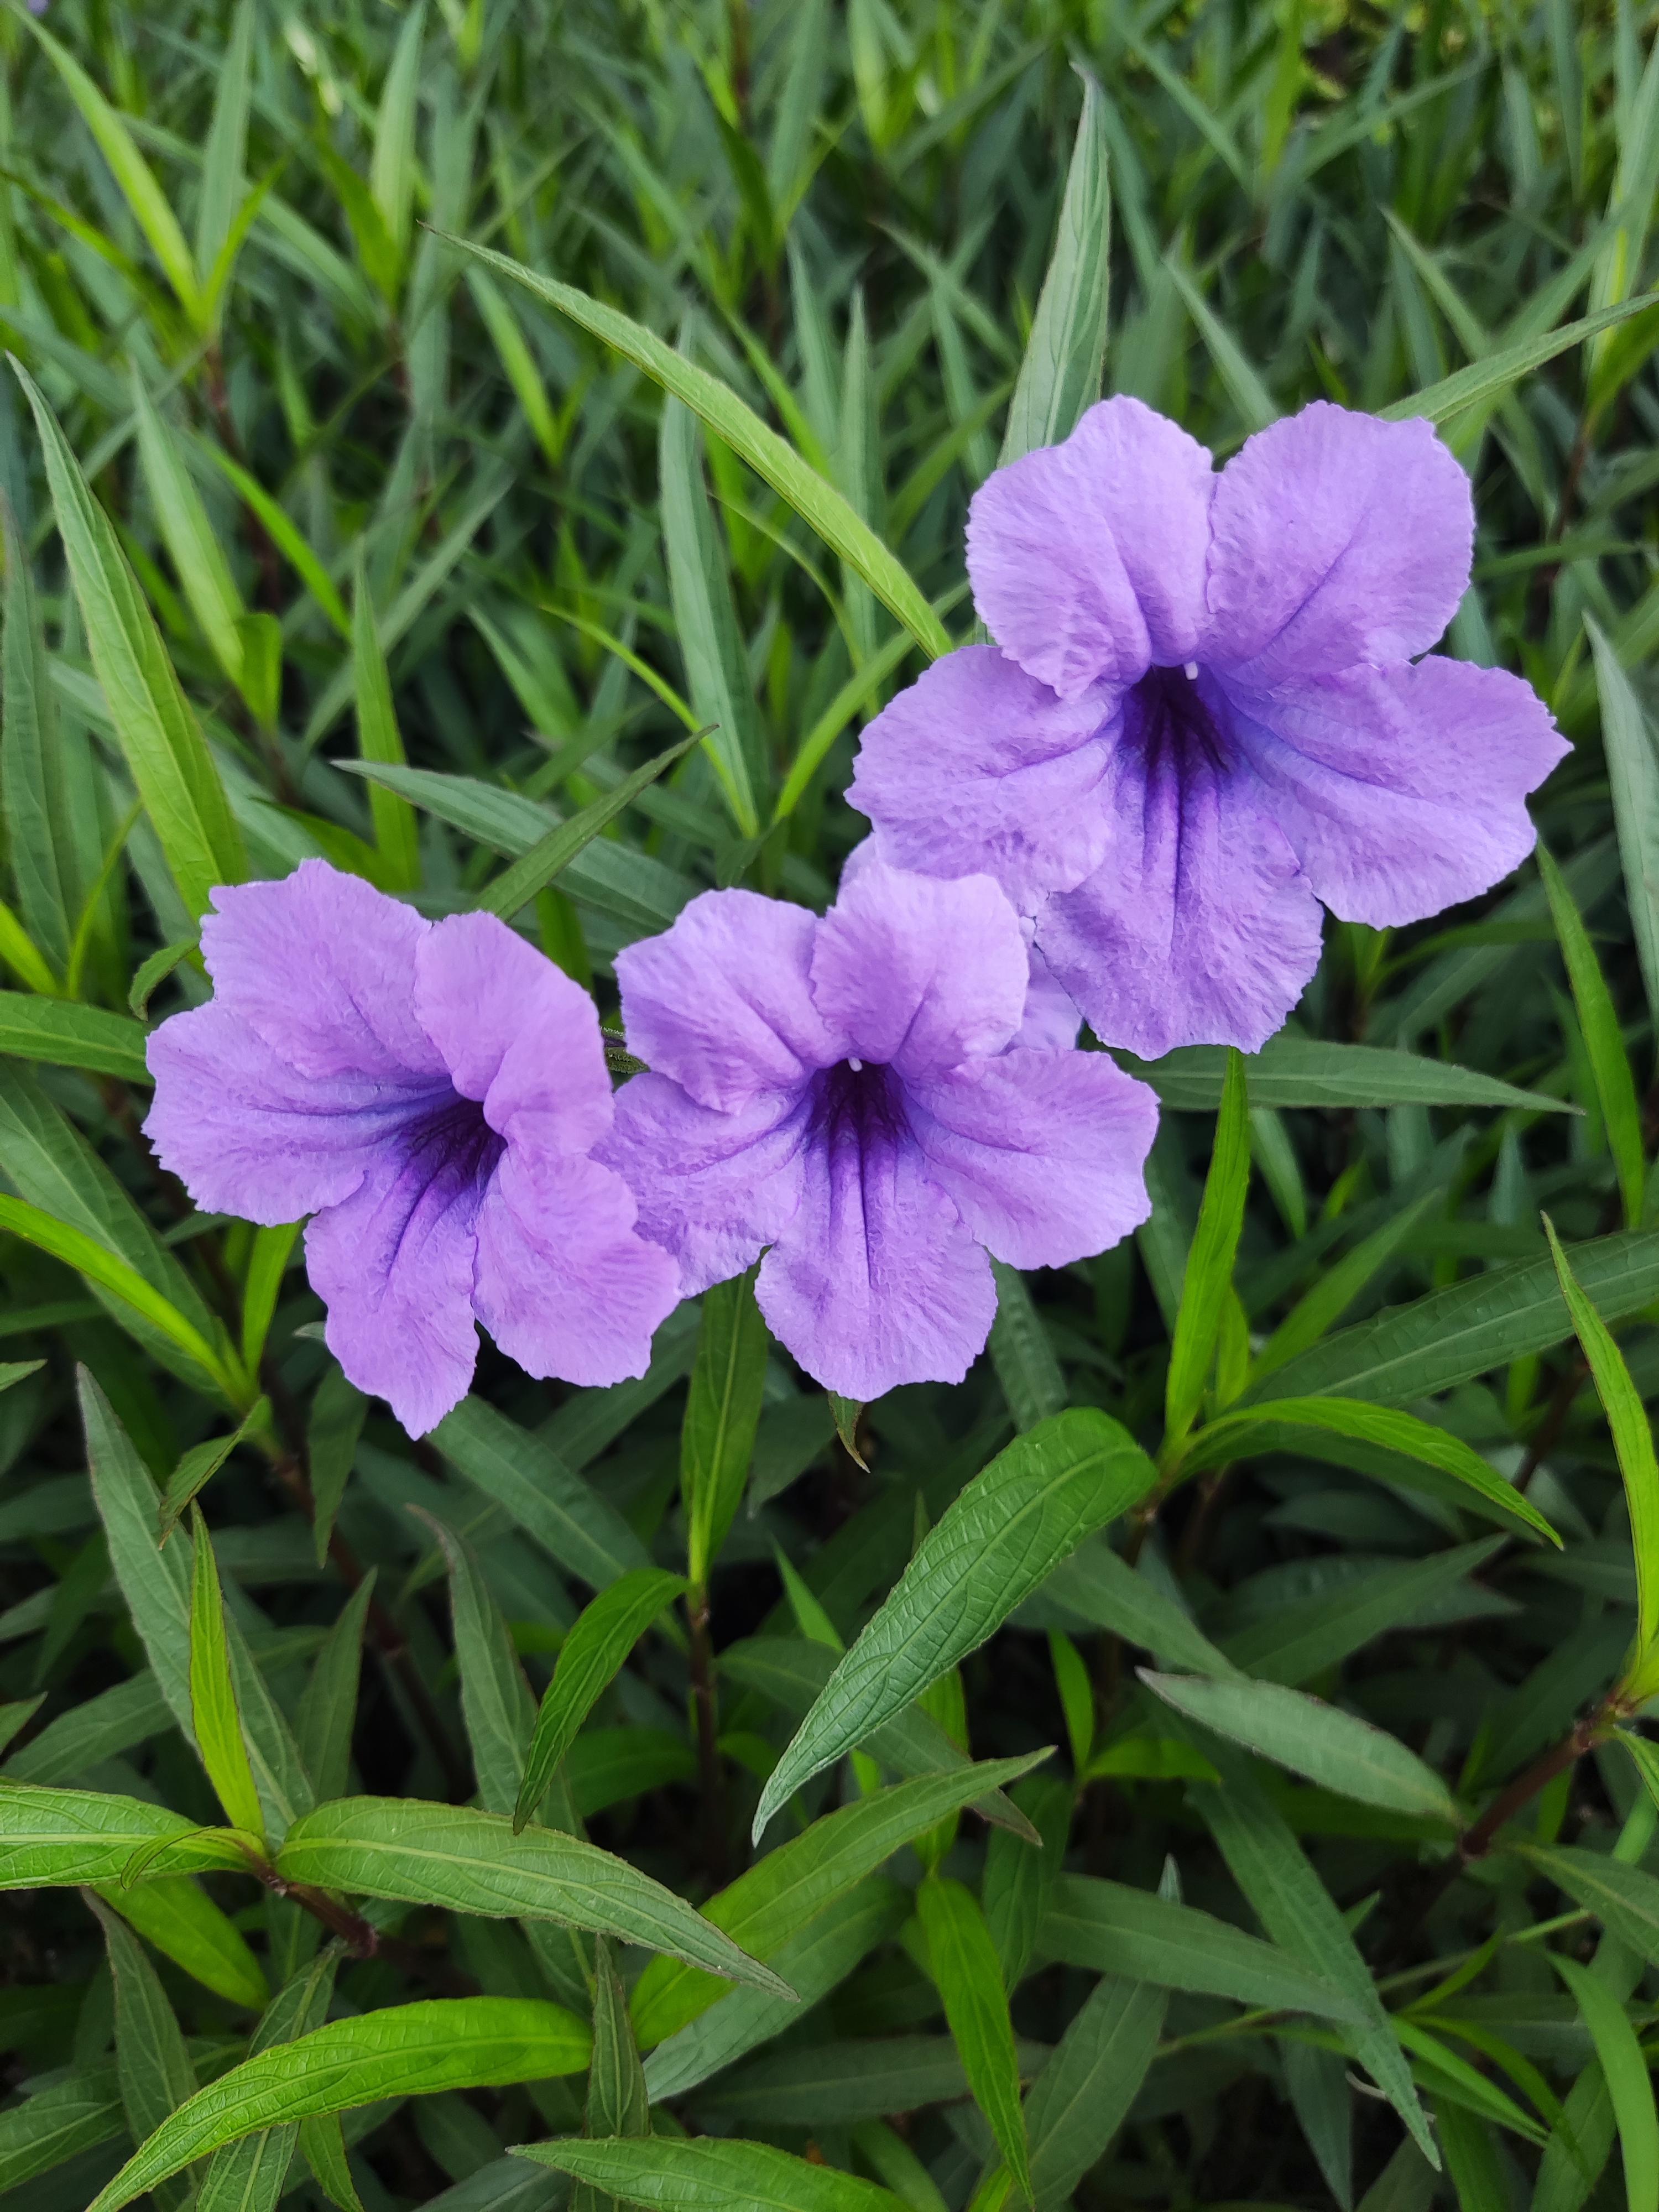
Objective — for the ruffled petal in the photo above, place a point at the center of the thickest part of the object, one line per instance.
(1403, 790)
(1087, 558)
(721, 1002)
(245, 1134)
(875, 1281)
(979, 766)
(917, 972)
(1043, 1152)
(516, 1033)
(563, 1283)
(1199, 929)
(322, 966)
(1051, 1020)
(394, 1266)
(1335, 538)
(713, 1188)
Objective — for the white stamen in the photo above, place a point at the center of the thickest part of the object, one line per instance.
(1190, 671)
(857, 1066)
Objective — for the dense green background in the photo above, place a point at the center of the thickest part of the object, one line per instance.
(384, 503)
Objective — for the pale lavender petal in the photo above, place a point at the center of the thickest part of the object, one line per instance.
(564, 1285)
(323, 966)
(919, 973)
(713, 1189)
(1051, 1021)
(245, 1134)
(1335, 538)
(394, 1266)
(1087, 558)
(978, 767)
(875, 1281)
(721, 1002)
(516, 1033)
(1199, 929)
(1403, 790)
(1043, 1152)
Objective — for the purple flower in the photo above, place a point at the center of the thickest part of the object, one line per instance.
(851, 1093)
(1205, 716)
(429, 1093)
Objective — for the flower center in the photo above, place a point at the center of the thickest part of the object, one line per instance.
(453, 1146)
(1176, 715)
(857, 1103)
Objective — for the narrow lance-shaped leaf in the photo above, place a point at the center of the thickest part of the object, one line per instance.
(1632, 1441)
(702, 2174)
(32, 770)
(1059, 375)
(464, 2043)
(1083, 2095)
(60, 1838)
(1010, 1528)
(198, 1468)
(1627, 739)
(603, 1634)
(964, 1966)
(722, 1412)
(213, 1695)
(188, 534)
(151, 2062)
(180, 1919)
(1615, 1086)
(396, 833)
(515, 886)
(1210, 1261)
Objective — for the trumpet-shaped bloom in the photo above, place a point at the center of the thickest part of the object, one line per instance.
(1204, 716)
(431, 1094)
(854, 1094)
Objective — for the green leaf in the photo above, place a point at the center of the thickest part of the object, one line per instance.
(700, 2174)
(198, 1466)
(1210, 1261)
(1300, 1640)
(1453, 1335)
(156, 1583)
(152, 2065)
(1632, 1441)
(1109, 1927)
(722, 1412)
(184, 1923)
(322, 2142)
(845, 1413)
(1483, 380)
(964, 1964)
(151, 973)
(471, 1862)
(212, 1695)
(132, 174)
(592, 1652)
(34, 778)
(1633, 773)
(273, 1248)
(339, 1411)
(580, 1531)
(1083, 2095)
(392, 167)
(198, 558)
(329, 1707)
(705, 618)
(1296, 1071)
(1021, 1353)
(777, 1897)
(248, 2175)
(550, 855)
(1060, 374)
(819, 504)
(52, 1029)
(1623, 1898)
(495, 1700)
(58, 2123)
(1239, 1435)
(1019, 1880)
(1625, 2068)
(1106, 1591)
(1332, 1748)
(397, 835)
(157, 732)
(1009, 1529)
(411, 2050)
(1615, 1086)
(813, 1962)
(226, 151)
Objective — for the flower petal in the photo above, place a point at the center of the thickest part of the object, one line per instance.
(979, 767)
(1335, 538)
(1051, 1020)
(564, 1286)
(918, 973)
(1403, 789)
(1043, 1152)
(1199, 929)
(245, 1134)
(394, 1266)
(1087, 558)
(515, 1031)
(721, 1000)
(713, 1189)
(875, 1281)
(322, 965)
